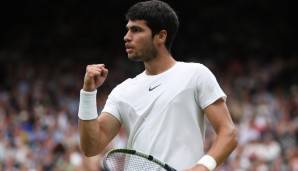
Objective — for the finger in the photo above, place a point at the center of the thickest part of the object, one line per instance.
(93, 72)
(104, 72)
(98, 66)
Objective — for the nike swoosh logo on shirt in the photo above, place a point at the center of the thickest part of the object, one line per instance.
(150, 89)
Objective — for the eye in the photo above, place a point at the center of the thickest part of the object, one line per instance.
(135, 30)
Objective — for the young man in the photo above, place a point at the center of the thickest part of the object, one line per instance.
(163, 108)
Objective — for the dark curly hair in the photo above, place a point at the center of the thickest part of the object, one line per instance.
(158, 16)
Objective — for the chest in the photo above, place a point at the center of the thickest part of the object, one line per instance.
(151, 95)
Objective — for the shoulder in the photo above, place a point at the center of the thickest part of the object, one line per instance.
(129, 82)
(193, 67)
(191, 64)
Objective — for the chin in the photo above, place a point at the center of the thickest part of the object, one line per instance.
(134, 58)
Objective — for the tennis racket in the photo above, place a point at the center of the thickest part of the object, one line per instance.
(132, 160)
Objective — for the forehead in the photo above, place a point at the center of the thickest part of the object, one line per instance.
(137, 23)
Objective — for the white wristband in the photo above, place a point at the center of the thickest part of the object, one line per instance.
(87, 107)
(208, 162)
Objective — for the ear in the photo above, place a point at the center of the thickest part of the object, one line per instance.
(162, 37)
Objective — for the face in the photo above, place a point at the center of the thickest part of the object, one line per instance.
(139, 42)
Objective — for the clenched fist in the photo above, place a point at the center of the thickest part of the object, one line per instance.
(94, 77)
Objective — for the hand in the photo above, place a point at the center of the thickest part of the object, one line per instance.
(198, 167)
(94, 77)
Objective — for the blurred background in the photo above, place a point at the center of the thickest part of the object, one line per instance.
(250, 46)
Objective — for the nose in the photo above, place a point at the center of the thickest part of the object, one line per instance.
(127, 37)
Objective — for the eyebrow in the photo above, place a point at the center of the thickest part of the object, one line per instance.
(134, 27)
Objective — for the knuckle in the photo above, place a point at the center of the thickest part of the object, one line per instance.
(90, 74)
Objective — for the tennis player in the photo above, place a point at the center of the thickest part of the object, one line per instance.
(163, 108)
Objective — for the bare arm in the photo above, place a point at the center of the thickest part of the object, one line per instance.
(221, 121)
(95, 134)
(226, 140)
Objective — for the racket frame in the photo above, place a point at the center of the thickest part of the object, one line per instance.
(136, 153)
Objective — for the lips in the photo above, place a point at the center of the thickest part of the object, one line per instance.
(128, 47)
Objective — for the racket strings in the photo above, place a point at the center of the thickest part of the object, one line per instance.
(130, 162)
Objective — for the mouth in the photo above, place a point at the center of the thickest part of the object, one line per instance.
(128, 47)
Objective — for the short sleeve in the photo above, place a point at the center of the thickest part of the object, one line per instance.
(208, 90)
(111, 105)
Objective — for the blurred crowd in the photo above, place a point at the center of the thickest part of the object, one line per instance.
(39, 103)
(43, 60)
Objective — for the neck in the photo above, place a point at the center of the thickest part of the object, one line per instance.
(159, 64)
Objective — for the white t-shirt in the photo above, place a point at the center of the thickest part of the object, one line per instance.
(162, 114)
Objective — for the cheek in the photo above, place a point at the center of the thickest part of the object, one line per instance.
(139, 43)
(139, 40)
